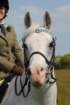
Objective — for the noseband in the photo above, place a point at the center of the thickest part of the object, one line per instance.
(51, 62)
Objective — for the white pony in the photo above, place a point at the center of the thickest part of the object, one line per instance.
(39, 50)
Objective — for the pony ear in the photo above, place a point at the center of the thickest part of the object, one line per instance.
(27, 20)
(47, 20)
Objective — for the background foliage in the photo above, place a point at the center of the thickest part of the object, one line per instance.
(62, 62)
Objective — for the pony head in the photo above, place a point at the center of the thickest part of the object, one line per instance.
(38, 49)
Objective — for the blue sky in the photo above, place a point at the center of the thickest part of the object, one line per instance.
(60, 15)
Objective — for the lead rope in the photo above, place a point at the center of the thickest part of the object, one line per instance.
(27, 84)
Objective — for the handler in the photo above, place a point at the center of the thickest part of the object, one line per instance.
(11, 55)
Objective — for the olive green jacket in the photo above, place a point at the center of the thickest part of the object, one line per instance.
(10, 52)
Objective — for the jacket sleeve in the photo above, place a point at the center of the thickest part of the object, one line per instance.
(5, 64)
(18, 52)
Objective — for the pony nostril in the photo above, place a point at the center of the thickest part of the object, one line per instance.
(42, 69)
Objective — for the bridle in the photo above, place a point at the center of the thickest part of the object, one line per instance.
(39, 53)
(50, 64)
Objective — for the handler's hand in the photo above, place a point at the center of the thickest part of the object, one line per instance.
(18, 70)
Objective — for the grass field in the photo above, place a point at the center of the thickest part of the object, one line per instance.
(63, 84)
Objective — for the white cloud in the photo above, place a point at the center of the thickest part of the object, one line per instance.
(61, 18)
(64, 8)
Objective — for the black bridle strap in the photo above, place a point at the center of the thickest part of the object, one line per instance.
(53, 53)
(36, 52)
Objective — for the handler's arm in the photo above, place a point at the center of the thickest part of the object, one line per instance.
(18, 51)
(5, 64)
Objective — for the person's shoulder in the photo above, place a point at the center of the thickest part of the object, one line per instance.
(10, 28)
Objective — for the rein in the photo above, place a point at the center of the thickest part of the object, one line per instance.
(27, 84)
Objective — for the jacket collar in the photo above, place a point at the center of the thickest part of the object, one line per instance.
(4, 23)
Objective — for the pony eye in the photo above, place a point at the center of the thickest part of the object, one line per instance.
(51, 44)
